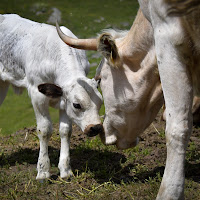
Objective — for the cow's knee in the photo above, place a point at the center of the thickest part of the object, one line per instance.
(177, 136)
(178, 132)
(65, 130)
(44, 128)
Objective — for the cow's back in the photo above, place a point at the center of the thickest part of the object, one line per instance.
(17, 47)
(32, 53)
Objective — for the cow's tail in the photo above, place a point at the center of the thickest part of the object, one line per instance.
(3, 90)
(182, 7)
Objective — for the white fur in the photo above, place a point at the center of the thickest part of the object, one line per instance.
(115, 33)
(132, 92)
(32, 54)
(179, 68)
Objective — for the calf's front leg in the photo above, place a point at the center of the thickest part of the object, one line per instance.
(44, 129)
(65, 133)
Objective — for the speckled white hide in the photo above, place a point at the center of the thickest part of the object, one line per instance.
(32, 54)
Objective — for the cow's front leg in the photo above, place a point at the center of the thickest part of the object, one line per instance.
(177, 88)
(44, 130)
(65, 133)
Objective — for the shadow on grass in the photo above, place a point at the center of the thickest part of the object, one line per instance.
(105, 165)
(102, 164)
(20, 156)
(192, 171)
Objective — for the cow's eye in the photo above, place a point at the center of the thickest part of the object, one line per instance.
(77, 106)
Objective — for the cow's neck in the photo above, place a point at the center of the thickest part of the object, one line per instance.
(148, 75)
(137, 49)
(135, 45)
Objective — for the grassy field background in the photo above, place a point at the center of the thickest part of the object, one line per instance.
(99, 172)
(85, 19)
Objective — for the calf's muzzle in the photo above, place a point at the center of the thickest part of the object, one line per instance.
(93, 130)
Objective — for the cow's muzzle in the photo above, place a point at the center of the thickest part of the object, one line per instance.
(93, 130)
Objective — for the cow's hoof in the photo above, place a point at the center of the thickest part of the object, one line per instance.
(67, 173)
(42, 175)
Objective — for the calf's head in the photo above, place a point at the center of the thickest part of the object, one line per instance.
(81, 101)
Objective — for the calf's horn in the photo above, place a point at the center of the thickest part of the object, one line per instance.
(86, 44)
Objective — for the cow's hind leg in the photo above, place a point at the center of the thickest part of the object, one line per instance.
(65, 133)
(44, 130)
(3, 90)
(177, 88)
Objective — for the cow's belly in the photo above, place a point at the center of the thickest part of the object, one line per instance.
(14, 76)
(196, 84)
(195, 72)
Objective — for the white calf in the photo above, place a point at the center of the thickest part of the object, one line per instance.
(32, 56)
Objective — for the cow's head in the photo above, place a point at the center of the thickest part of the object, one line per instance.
(82, 102)
(132, 100)
(129, 81)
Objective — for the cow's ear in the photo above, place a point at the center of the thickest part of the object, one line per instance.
(50, 90)
(108, 48)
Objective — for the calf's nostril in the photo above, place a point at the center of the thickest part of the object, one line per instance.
(92, 129)
(99, 128)
(95, 130)
(92, 132)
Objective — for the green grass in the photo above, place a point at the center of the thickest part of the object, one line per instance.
(99, 172)
(17, 112)
(86, 19)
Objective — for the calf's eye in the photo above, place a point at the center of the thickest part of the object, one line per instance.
(77, 106)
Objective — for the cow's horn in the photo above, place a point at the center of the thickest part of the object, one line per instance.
(86, 44)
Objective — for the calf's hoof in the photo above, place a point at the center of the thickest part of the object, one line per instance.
(66, 173)
(42, 175)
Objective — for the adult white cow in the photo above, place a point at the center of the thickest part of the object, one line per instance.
(129, 76)
(177, 45)
(32, 56)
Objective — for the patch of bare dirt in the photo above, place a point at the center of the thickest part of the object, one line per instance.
(21, 149)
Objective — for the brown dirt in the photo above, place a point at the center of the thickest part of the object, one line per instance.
(20, 151)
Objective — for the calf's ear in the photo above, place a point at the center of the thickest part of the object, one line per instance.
(50, 90)
(108, 48)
